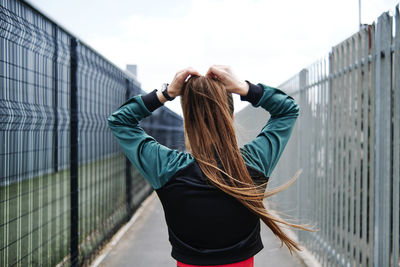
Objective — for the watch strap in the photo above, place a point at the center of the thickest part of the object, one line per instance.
(165, 93)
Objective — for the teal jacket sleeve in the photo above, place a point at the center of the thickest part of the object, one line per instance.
(264, 151)
(154, 161)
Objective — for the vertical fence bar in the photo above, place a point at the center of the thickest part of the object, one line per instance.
(372, 145)
(341, 148)
(344, 144)
(318, 166)
(303, 77)
(328, 157)
(383, 139)
(365, 140)
(299, 146)
(352, 148)
(330, 151)
(325, 175)
(128, 175)
(335, 134)
(321, 188)
(321, 147)
(55, 147)
(55, 99)
(74, 155)
(396, 143)
(299, 143)
(363, 61)
(358, 146)
(342, 128)
(335, 159)
(312, 212)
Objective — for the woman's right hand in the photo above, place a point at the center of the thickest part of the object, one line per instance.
(225, 75)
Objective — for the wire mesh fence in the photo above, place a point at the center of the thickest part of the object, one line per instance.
(65, 184)
(346, 140)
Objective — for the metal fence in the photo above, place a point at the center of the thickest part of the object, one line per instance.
(65, 184)
(347, 141)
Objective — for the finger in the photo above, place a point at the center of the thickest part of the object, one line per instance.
(210, 73)
(186, 72)
(214, 72)
(225, 68)
(211, 69)
(193, 72)
(211, 76)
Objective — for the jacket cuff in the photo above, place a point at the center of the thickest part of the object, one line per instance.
(151, 100)
(254, 94)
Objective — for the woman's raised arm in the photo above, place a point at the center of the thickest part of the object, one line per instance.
(264, 151)
(157, 163)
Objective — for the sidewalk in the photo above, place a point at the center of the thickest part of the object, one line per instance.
(145, 244)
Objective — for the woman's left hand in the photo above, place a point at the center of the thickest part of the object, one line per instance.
(175, 88)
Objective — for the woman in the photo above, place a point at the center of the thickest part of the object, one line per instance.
(213, 194)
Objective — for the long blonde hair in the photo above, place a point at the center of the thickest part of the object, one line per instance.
(210, 136)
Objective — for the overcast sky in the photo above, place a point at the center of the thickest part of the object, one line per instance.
(263, 41)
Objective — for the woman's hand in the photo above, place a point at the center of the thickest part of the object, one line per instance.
(226, 76)
(175, 88)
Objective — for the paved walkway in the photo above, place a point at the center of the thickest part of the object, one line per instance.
(145, 243)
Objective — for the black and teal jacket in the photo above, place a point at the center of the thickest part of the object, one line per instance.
(205, 225)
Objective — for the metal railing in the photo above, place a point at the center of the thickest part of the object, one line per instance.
(65, 184)
(347, 141)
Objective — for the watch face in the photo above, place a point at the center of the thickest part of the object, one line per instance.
(164, 86)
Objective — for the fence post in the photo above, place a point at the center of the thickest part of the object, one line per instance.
(74, 191)
(383, 147)
(55, 99)
(396, 142)
(303, 82)
(128, 175)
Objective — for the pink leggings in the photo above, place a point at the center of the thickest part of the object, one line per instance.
(246, 263)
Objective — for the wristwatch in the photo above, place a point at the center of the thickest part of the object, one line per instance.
(164, 91)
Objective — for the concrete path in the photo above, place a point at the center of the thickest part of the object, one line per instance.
(145, 244)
